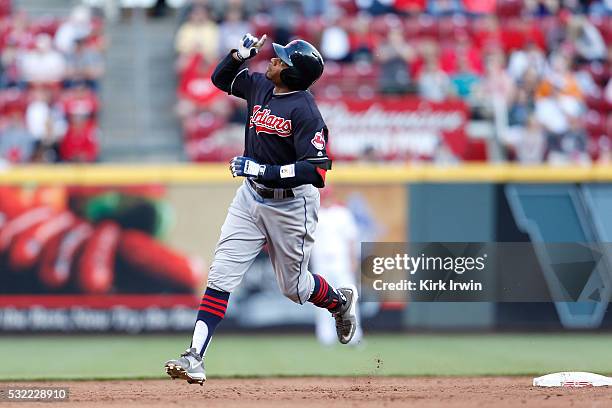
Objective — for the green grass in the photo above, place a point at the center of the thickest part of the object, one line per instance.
(105, 357)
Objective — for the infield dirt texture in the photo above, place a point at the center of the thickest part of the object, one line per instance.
(294, 371)
(417, 392)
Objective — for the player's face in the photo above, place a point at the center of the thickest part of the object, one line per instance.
(274, 68)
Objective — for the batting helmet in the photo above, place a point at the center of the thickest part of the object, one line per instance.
(305, 64)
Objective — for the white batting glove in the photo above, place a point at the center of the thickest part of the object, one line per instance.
(249, 46)
(241, 166)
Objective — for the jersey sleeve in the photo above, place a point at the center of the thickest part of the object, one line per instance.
(244, 83)
(310, 140)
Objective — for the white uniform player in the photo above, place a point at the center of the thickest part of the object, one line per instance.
(334, 257)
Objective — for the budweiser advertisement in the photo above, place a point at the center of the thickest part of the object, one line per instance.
(383, 129)
(380, 129)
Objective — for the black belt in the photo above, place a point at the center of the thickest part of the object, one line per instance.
(275, 193)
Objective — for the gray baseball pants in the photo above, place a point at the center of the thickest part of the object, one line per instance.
(286, 225)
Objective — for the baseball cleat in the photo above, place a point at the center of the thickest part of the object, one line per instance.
(188, 367)
(346, 316)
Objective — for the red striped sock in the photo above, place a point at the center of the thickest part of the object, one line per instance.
(324, 295)
(212, 310)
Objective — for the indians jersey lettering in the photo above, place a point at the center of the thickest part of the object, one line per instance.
(264, 121)
(282, 128)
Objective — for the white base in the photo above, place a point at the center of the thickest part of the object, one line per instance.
(572, 379)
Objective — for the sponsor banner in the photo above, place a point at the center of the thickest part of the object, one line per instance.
(135, 258)
(382, 128)
(393, 128)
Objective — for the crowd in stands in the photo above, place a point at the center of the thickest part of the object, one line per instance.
(50, 70)
(539, 70)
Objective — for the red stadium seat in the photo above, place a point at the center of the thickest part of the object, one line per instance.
(598, 104)
(12, 100)
(599, 72)
(383, 24)
(595, 123)
(428, 27)
(509, 8)
(476, 150)
(412, 28)
(5, 7)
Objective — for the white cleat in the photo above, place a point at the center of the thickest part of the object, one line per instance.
(188, 367)
(346, 317)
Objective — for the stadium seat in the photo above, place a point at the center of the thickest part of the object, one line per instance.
(509, 8)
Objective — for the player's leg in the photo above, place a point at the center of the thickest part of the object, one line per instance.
(240, 242)
(325, 331)
(289, 226)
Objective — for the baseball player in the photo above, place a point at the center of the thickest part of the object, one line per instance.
(334, 257)
(284, 162)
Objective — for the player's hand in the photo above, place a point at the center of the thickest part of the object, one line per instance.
(241, 166)
(249, 46)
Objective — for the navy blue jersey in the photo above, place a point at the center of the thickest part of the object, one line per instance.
(281, 128)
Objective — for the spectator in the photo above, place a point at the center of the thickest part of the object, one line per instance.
(608, 92)
(531, 56)
(9, 66)
(495, 92)
(527, 142)
(84, 63)
(196, 89)
(486, 33)
(232, 29)
(465, 79)
(363, 42)
(600, 8)
(375, 7)
(394, 56)
(198, 35)
(16, 142)
(76, 27)
(464, 48)
(335, 42)
(444, 8)
(317, 8)
(520, 109)
(43, 65)
(542, 8)
(220, 8)
(18, 32)
(558, 74)
(559, 114)
(80, 144)
(285, 15)
(588, 42)
(80, 101)
(433, 84)
(46, 123)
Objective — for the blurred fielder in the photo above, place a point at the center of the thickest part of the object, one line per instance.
(284, 161)
(334, 256)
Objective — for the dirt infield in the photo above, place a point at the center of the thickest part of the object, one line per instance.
(297, 392)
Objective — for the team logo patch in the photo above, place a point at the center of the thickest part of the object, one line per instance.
(318, 140)
(264, 121)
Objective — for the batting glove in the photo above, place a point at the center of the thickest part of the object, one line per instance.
(241, 166)
(249, 46)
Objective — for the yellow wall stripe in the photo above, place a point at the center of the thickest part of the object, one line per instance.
(342, 173)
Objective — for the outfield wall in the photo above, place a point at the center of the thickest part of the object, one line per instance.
(153, 229)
